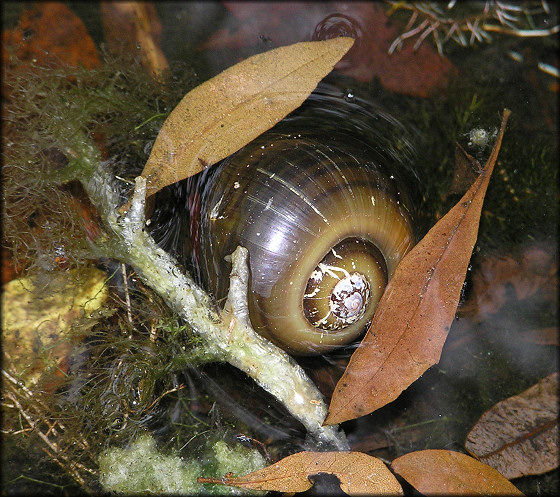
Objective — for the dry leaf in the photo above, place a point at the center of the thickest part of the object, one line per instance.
(358, 473)
(226, 112)
(446, 472)
(519, 436)
(416, 311)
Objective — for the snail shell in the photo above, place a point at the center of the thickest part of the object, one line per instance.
(325, 221)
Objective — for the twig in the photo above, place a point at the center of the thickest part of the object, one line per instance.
(274, 370)
(127, 296)
(18, 391)
(522, 33)
(228, 337)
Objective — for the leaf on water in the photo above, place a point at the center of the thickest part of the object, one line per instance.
(445, 472)
(416, 311)
(519, 436)
(358, 473)
(226, 112)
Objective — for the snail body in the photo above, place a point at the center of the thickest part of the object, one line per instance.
(319, 205)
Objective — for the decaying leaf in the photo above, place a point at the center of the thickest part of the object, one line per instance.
(445, 472)
(519, 436)
(416, 311)
(541, 336)
(464, 172)
(49, 34)
(226, 112)
(358, 473)
(36, 319)
(532, 273)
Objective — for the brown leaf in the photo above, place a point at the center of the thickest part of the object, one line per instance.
(358, 473)
(519, 436)
(541, 336)
(446, 472)
(226, 112)
(50, 34)
(533, 272)
(414, 315)
(465, 171)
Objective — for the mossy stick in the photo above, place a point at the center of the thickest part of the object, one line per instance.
(272, 368)
(229, 337)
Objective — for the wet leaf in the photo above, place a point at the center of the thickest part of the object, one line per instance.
(226, 112)
(358, 473)
(532, 274)
(464, 172)
(519, 436)
(542, 336)
(446, 472)
(416, 311)
(37, 319)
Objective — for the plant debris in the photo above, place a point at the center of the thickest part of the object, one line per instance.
(519, 436)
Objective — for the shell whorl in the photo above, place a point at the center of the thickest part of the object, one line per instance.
(325, 224)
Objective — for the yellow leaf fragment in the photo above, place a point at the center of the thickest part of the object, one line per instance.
(226, 112)
(415, 313)
(358, 473)
(36, 319)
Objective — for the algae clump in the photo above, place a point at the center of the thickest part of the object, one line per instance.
(141, 468)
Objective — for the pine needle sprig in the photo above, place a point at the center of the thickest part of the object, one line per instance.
(468, 23)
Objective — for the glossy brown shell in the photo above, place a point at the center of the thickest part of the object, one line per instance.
(290, 199)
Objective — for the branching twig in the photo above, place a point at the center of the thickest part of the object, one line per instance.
(228, 337)
(271, 368)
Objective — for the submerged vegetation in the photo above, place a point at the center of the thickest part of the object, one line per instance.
(131, 371)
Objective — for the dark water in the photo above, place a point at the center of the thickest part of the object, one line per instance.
(511, 290)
